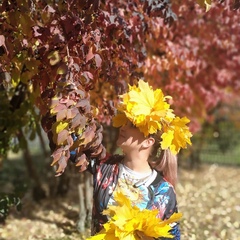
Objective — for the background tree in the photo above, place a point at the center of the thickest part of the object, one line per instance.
(71, 60)
(56, 52)
(54, 56)
(65, 62)
(196, 61)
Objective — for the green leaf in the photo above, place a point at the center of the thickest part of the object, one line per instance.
(7, 201)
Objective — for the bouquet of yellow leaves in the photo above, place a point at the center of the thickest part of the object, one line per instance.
(128, 222)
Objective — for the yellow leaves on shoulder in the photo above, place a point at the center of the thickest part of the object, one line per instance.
(99, 236)
(122, 200)
(128, 222)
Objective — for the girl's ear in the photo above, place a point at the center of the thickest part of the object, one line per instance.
(148, 142)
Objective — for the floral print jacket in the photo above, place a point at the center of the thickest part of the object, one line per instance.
(105, 175)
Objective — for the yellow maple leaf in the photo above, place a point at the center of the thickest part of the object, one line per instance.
(176, 135)
(59, 126)
(142, 102)
(119, 120)
(167, 138)
(205, 3)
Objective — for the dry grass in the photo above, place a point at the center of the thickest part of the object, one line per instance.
(209, 199)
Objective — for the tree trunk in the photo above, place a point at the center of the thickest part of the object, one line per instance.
(38, 191)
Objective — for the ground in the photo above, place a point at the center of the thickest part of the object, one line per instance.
(209, 199)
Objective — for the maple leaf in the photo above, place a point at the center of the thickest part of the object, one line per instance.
(144, 107)
(176, 135)
(205, 3)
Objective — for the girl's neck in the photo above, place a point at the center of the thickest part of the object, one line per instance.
(137, 164)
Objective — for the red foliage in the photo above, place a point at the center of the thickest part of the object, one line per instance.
(70, 50)
(196, 60)
(77, 56)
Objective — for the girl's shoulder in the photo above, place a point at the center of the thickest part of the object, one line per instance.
(112, 159)
(158, 179)
(161, 183)
(108, 163)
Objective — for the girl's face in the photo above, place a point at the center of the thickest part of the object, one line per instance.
(130, 137)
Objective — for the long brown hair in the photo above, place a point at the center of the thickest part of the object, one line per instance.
(164, 161)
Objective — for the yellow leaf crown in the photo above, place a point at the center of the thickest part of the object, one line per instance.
(148, 110)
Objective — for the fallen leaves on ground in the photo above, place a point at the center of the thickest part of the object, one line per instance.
(209, 199)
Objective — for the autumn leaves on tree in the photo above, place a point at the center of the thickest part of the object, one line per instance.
(71, 59)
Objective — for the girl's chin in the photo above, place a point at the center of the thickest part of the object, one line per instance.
(119, 143)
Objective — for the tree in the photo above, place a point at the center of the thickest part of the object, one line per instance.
(57, 53)
(72, 59)
(196, 60)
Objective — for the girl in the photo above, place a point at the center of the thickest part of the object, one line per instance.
(150, 136)
(133, 174)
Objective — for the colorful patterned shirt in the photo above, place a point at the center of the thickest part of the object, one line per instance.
(151, 192)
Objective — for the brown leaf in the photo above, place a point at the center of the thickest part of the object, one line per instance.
(70, 102)
(70, 142)
(58, 108)
(61, 115)
(88, 135)
(98, 60)
(56, 156)
(2, 43)
(90, 54)
(84, 104)
(62, 136)
(78, 121)
(87, 75)
(97, 151)
(80, 160)
(62, 163)
(71, 113)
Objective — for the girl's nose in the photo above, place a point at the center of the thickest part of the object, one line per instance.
(123, 127)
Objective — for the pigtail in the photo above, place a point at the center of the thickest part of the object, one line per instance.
(166, 163)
